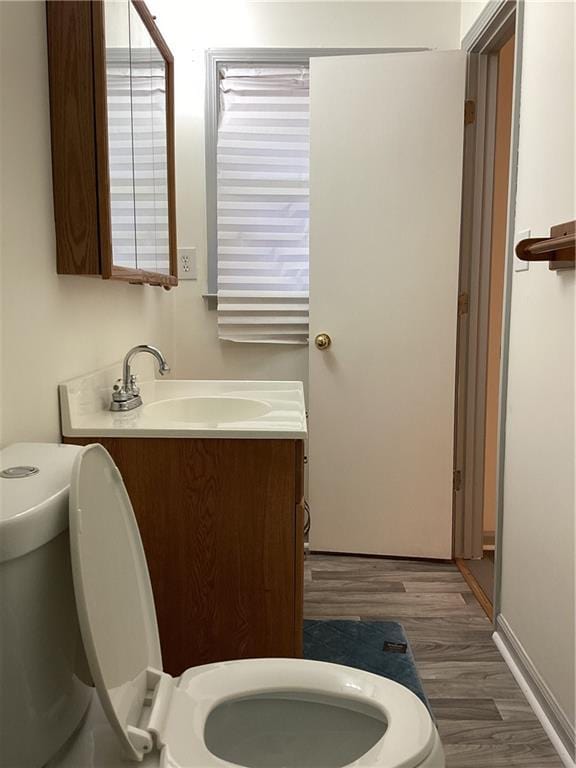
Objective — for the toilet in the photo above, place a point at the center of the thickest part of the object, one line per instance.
(258, 713)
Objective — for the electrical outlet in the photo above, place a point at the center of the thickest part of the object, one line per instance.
(519, 265)
(187, 263)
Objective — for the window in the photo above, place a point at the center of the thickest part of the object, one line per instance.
(262, 203)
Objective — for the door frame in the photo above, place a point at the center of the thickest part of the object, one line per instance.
(494, 26)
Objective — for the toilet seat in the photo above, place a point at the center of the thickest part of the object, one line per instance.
(147, 709)
(408, 740)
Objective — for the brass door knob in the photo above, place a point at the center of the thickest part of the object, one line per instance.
(322, 341)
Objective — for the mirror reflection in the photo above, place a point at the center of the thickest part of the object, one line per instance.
(120, 158)
(137, 141)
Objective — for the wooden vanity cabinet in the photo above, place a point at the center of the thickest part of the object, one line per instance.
(222, 526)
(112, 128)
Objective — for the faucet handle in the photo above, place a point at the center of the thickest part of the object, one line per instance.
(134, 388)
(119, 394)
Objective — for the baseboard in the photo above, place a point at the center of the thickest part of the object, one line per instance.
(557, 726)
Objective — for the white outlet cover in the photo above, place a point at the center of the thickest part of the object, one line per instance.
(519, 265)
(187, 268)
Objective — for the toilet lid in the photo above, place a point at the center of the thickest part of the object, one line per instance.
(113, 592)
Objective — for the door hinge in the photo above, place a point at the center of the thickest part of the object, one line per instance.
(469, 112)
(456, 480)
(463, 303)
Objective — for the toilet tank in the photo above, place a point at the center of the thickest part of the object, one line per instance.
(44, 683)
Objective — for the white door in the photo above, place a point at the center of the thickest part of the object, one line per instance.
(386, 171)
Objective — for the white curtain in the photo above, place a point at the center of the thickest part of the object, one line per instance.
(262, 194)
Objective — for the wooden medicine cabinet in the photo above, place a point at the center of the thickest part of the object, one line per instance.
(112, 125)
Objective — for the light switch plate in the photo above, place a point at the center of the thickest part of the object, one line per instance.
(187, 263)
(519, 265)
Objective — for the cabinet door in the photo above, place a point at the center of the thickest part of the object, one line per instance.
(217, 521)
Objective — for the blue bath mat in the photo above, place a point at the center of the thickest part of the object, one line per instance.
(380, 647)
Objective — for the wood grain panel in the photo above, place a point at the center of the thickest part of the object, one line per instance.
(101, 136)
(511, 733)
(218, 524)
(299, 580)
(423, 587)
(299, 548)
(472, 646)
(465, 709)
(69, 28)
(501, 756)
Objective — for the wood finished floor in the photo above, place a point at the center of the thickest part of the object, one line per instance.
(483, 717)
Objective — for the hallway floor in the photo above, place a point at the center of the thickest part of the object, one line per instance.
(483, 717)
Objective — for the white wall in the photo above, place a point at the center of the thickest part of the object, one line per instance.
(190, 28)
(470, 10)
(538, 578)
(52, 327)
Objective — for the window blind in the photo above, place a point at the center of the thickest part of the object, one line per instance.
(262, 199)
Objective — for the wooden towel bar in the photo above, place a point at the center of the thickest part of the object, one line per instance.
(559, 249)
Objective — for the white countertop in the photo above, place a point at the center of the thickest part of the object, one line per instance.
(85, 403)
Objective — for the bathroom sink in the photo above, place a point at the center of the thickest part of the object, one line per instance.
(183, 407)
(207, 410)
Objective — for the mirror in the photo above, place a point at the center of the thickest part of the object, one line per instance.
(119, 110)
(136, 85)
(149, 147)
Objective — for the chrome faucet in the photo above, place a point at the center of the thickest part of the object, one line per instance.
(126, 394)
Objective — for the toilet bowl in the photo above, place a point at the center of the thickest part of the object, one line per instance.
(258, 713)
(310, 727)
